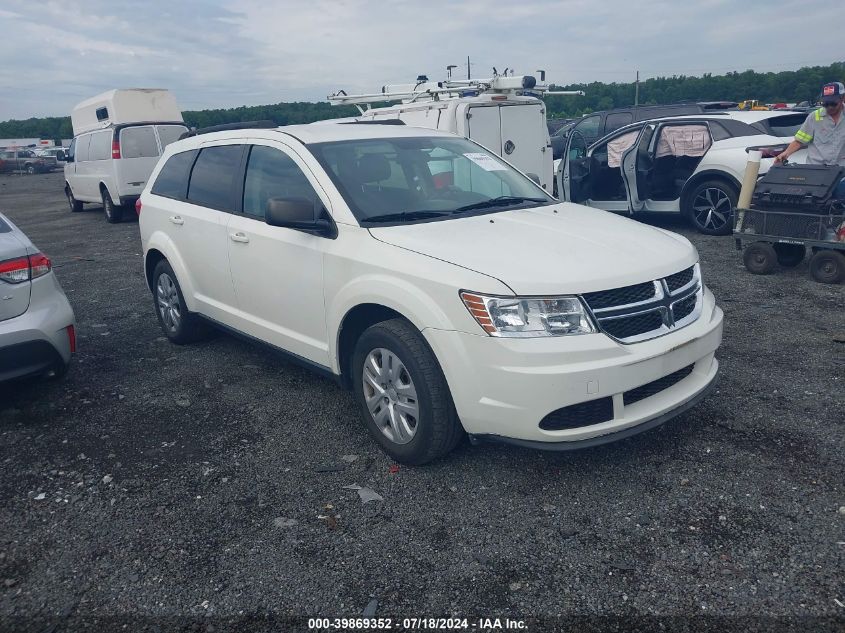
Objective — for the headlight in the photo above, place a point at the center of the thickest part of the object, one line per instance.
(528, 317)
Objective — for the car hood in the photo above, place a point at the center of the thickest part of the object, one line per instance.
(560, 249)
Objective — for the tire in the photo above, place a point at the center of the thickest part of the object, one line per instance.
(413, 439)
(790, 255)
(75, 205)
(760, 258)
(178, 324)
(113, 212)
(710, 207)
(828, 267)
(30, 169)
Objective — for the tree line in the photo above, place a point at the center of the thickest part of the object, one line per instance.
(787, 86)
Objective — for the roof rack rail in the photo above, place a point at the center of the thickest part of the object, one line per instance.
(374, 122)
(245, 125)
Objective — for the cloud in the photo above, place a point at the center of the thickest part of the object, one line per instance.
(214, 53)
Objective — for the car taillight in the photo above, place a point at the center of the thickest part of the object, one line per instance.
(71, 338)
(767, 151)
(115, 149)
(138, 206)
(20, 269)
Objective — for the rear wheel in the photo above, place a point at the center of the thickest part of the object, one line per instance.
(828, 267)
(75, 205)
(403, 395)
(760, 258)
(112, 211)
(710, 207)
(30, 169)
(178, 324)
(790, 255)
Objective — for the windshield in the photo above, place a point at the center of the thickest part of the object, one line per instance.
(418, 178)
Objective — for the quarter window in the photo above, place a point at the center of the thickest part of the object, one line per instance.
(213, 177)
(271, 173)
(172, 180)
(138, 142)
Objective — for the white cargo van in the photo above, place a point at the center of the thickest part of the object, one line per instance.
(504, 113)
(118, 137)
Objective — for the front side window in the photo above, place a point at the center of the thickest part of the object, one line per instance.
(172, 180)
(212, 181)
(589, 126)
(417, 178)
(138, 142)
(270, 173)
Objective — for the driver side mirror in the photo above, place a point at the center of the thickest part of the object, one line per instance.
(299, 214)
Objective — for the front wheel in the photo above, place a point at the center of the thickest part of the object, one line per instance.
(112, 211)
(828, 267)
(75, 205)
(30, 169)
(403, 395)
(710, 207)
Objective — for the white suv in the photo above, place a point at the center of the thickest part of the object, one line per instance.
(449, 291)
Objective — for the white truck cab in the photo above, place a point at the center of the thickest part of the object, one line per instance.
(504, 113)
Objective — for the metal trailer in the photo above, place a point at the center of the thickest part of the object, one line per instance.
(782, 237)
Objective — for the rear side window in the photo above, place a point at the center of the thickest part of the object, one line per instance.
(172, 180)
(213, 177)
(138, 142)
(169, 133)
(100, 146)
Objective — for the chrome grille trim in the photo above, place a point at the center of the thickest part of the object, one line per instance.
(663, 303)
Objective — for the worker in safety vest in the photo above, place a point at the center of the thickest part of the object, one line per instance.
(823, 132)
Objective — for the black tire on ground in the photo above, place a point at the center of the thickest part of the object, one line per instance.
(760, 258)
(710, 206)
(114, 213)
(437, 429)
(828, 267)
(75, 205)
(30, 169)
(790, 255)
(178, 324)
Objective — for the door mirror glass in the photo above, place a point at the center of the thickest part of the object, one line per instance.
(296, 213)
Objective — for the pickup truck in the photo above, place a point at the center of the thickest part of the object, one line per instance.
(26, 161)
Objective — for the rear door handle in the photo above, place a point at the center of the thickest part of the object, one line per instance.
(176, 219)
(239, 237)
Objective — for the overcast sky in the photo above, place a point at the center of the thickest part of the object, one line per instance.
(215, 53)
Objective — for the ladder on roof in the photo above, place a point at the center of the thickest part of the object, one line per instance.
(425, 90)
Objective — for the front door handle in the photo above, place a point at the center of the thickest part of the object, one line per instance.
(176, 219)
(239, 237)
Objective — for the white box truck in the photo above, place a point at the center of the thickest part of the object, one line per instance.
(118, 137)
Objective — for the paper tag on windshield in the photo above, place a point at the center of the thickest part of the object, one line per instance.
(485, 161)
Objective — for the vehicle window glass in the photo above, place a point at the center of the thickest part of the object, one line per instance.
(82, 146)
(738, 128)
(172, 180)
(212, 181)
(589, 126)
(421, 174)
(718, 131)
(100, 146)
(138, 142)
(71, 149)
(786, 125)
(271, 173)
(102, 114)
(616, 120)
(169, 133)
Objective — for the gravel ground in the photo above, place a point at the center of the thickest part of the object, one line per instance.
(203, 486)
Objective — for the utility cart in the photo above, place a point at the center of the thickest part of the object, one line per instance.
(782, 237)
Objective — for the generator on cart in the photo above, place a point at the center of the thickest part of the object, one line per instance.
(795, 208)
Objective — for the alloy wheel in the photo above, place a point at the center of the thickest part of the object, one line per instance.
(390, 395)
(712, 208)
(168, 302)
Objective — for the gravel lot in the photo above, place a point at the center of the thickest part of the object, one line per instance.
(203, 486)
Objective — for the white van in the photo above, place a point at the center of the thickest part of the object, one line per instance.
(118, 137)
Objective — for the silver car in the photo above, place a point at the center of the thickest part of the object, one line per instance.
(37, 325)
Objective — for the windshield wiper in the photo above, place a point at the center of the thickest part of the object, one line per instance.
(500, 201)
(406, 215)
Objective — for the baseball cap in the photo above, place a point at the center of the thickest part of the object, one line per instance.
(832, 92)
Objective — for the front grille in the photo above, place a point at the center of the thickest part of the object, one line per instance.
(649, 309)
(578, 415)
(681, 279)
(633, 326)
(655, 386)
(620, 296)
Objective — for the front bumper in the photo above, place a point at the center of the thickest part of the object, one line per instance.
(503, 388)
(37, 340)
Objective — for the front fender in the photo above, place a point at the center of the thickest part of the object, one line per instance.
(160, 241)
